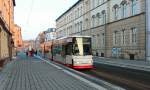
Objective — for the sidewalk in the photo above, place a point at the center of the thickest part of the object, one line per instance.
(33, 74)
(131, 64)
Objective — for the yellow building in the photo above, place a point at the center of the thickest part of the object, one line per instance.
(6, 30)
(17, 38)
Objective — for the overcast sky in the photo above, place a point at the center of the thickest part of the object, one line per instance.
(35, 16)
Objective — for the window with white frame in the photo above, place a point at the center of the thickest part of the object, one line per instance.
(134, 7)
(124, 11)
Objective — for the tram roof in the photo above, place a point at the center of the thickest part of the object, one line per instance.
(73, 37)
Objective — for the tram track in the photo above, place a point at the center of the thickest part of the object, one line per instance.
(126, 78)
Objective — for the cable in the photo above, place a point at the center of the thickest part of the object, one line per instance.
(30, 12)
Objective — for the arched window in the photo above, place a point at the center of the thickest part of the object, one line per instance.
(103, 17)
(124, 9)
(86, 23)
(81, 26)
(98, 19)
(93, 21)
(116, 11)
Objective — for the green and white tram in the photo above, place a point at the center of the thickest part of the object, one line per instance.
(73, 51)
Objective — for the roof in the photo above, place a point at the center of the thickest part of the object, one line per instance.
(68, 9)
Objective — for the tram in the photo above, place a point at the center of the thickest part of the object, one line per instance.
(73, 51)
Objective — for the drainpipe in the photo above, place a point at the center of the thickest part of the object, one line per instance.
(147, 30)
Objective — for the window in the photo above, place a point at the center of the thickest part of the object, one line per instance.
(75, 28)
(86, 23)
(81, 27)
(78, 12)
(93, 3)
(81, 10)
(97, 2)
(134, 35)
(124, 9)
(134, 7)
(116, 11)
(98, 19)
(78, 26)
(103, 39)
(115, 41)
(123, 37)
(93, 21)
(103, 17)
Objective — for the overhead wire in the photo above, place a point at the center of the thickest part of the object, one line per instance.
(30, 12)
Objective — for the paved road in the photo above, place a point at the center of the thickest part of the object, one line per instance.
(33, 74)
(127, 78)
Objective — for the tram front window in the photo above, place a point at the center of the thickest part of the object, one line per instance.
(82, 46)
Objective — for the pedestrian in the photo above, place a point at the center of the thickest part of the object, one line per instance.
(35, 52)
(26, 53)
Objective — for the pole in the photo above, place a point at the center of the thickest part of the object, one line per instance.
(105, 32)
(147, 30)
(44, 50)
(52, 49)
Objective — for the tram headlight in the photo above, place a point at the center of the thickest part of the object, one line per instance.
(89, 61)
(77, 62)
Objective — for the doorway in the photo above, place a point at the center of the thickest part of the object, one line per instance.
(132, 56)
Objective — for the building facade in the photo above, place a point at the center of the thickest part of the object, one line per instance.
(17, 38)
(50, 34)
(6, 30)
(117, 27)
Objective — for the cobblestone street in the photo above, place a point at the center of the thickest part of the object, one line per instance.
(33, 74)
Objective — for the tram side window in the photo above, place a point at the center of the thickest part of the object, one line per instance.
(69, 49)
(57, 50)
(87, 49)
(76, 49)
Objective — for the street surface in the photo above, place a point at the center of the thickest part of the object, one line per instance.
(129, 79)
(28, 73)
